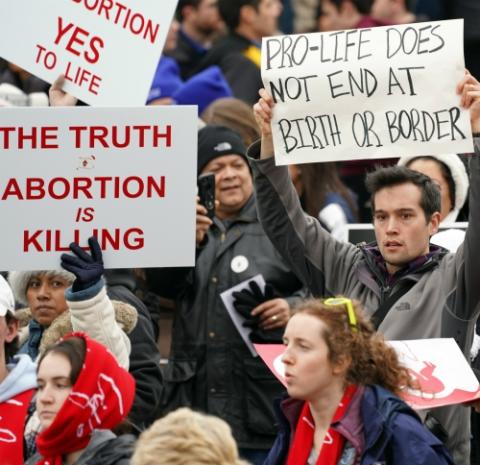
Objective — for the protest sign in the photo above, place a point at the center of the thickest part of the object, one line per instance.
(367, 93)
(443, 374)
(125, 175)
(108, 50)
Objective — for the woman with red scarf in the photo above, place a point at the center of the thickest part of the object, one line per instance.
(82, 393)
(342, 379)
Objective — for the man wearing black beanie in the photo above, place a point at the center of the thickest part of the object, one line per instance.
(210, 367)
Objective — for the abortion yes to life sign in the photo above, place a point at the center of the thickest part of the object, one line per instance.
(367, 93)
(437, 364)
(108, 50)
(125, 175)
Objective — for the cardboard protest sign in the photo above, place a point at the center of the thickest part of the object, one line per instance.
(127, 176)
(108, 50)
(367, 93)
(438, 365)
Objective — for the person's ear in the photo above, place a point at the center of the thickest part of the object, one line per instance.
(341, 365)
(12, 327)
(434, 223)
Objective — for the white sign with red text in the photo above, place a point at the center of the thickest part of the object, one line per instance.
(108, 50)
(367, 93)
(438, 365)
(124, 175)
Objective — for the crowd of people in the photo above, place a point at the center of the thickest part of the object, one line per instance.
(81, 381)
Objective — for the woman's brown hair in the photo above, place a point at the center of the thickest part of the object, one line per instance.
(372, 361)
(236, 115)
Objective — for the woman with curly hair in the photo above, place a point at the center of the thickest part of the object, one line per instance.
(343, 381)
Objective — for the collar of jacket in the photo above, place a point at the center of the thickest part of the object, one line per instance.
(371, 251)
(248, 214)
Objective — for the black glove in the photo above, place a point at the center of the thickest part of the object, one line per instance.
(88, 269)
(245, 301)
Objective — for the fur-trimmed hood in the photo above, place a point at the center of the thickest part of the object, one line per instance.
(125, 315)
(19, 281)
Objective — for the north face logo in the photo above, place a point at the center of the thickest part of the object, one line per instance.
(222, 146)
(403, 306)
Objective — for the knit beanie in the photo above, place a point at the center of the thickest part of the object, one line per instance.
(166, 79)
(459, 176)
(215, 141)
(203, 89)
(19, 281)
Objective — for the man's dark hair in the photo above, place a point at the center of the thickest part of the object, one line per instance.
(11, 348)
(430, 201)
(230, 11)
(182, 4)
(363, 6)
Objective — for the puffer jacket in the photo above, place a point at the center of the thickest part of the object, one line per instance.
(210, 367)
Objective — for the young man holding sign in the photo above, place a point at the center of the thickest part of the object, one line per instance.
(412, 290)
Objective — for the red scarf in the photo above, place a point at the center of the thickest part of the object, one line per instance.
(12, 423)
(100, 399)
(333, 443)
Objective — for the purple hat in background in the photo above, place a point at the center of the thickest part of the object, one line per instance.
(166, 79)
(203, 89)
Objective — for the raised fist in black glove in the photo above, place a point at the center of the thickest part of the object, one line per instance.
(87, 268)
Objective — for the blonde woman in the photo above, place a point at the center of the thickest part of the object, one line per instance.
(185, 437)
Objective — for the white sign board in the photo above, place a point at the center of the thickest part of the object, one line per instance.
(367, 93)
(125, 175)
(442, 372)
(438, 365)
(108, 50)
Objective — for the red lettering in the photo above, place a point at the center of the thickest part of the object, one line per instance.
(12, 189)
(78, 137)
(61, 30)
(35, 185)
(75, 38)
(53, 240)
(29, 240)
(98, 133)
(48, 137)
(96, 43)
(167, 135)
(6, 136)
